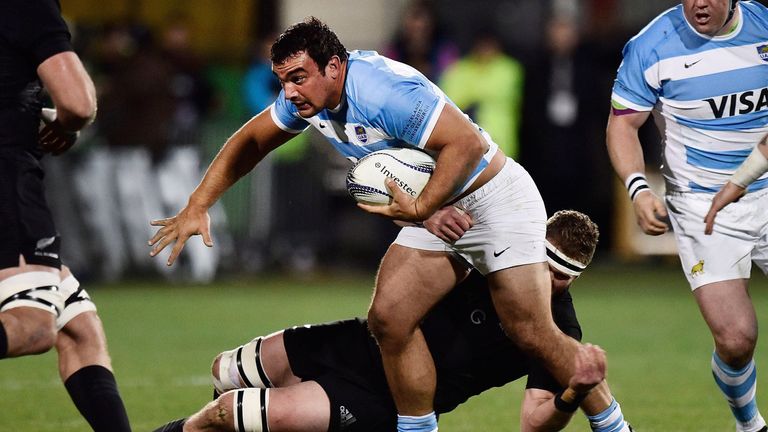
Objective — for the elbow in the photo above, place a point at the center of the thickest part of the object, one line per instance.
(77, 114)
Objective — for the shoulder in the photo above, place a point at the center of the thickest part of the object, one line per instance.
(663, 30)
(374, 79)
(754, 10)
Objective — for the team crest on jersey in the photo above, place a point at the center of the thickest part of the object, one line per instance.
(361, 134)
(762, 50)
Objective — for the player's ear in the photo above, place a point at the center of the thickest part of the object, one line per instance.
(333, 68)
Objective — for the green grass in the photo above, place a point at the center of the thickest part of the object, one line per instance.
(162, 339)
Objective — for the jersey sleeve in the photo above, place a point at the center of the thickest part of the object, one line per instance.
(410, 112)
(42, 33)
(285, 115)
(631, 88)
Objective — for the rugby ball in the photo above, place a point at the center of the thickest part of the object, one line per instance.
(409, 168)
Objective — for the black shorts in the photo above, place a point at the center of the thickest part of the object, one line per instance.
(344, 360)
(27, 224)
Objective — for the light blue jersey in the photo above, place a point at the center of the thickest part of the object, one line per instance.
(386, 104)
(709, 95)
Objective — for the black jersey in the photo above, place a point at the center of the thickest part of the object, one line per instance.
(31, 31)
(471, 351)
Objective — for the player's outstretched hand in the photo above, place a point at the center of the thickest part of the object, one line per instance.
(449, 223)
(178, 229)
(728, 194)
(650, 212)
(403, 206)
(52, 137)
(589, 368)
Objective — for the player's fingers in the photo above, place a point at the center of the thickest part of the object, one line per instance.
(162, 232)
(175, 252)
(161, 222)
(165, 241)
(709, 220)
(206, 233)
(375, 209)
(63, 147)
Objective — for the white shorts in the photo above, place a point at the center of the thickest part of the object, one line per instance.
(509, 224)
(740, 236)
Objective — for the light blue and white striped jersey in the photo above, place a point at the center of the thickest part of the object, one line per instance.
(386, 104)
(709, 95)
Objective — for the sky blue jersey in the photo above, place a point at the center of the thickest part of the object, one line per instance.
(385, 104)
(708, 95)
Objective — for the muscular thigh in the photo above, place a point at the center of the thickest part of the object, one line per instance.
(410, 281)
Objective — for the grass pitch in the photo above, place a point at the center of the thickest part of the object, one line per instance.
(162, 339)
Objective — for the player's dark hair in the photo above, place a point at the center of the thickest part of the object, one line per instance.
(574, 234)
(311, 36)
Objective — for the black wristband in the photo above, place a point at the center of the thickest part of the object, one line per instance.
(568, 407)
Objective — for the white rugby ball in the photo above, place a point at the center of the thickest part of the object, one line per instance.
(409, 168)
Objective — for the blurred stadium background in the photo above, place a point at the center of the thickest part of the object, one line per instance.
(176, 78)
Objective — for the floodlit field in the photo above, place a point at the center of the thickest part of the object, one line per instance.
(162, 339)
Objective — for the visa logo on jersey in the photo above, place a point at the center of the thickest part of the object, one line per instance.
(739, 103)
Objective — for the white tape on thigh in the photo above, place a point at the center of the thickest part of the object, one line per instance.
(32, 289)
(242, 367)
(249, 409)
(76, 301)
(224, 382)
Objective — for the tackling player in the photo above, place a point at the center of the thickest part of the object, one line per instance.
(701, 68)
(329, 377)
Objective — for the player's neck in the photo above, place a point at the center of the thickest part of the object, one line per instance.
(338, 91)
(731, 25)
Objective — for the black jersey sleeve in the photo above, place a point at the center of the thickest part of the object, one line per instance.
(36, 28)
(564, 315)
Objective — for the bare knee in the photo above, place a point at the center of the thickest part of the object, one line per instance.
(735, 346)
(83, 332)
(389, 330)
(29, 330)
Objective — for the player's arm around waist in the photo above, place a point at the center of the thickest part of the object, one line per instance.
(460, 148)
(238, 156)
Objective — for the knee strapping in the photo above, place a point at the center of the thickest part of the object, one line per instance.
(249, 409)
(241, 367)
(32, 289)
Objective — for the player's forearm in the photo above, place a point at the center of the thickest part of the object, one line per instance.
(546, 418)
(598, 400)
(237, 157)
(753, 167)
(455, 165)
(71, 90)
(624, 148)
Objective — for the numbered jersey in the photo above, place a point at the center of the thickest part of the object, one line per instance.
(386, 104)
(709, 95)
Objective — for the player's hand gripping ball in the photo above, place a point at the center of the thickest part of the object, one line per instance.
(409, 168)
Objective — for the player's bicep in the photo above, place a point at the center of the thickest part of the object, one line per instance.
(626, 124)
(452, 126)
(265, 133)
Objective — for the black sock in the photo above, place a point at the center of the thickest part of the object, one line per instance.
(94, 391)
(174, 426)
(3, 342)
